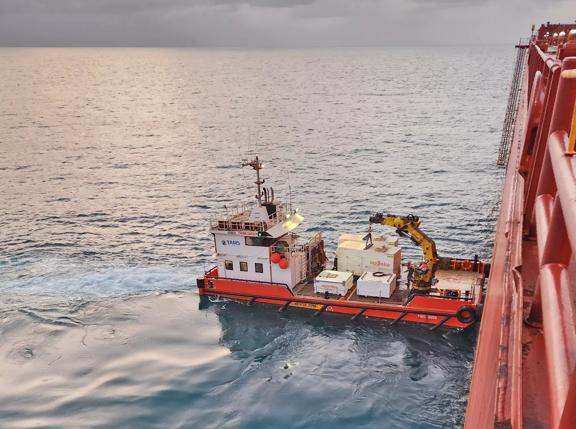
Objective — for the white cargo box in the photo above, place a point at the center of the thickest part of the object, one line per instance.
(381, 256)
(376, 284)
(334, 282)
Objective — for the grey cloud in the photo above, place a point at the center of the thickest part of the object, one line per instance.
(89, 6)
(267, 3)
(271, 22)
(132, 6)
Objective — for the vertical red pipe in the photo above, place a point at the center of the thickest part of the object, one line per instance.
(557, 248)
(561, 120)
(559, 337)
(540, 148)
(568, 420)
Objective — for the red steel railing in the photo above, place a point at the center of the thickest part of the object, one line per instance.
(524, 373)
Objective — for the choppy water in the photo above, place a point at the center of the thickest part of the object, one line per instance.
(111, 160)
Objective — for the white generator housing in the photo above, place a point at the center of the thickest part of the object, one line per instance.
(334, 282)
(381, 256)
(376, 284)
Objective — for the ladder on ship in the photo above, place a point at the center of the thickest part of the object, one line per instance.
(513, 101)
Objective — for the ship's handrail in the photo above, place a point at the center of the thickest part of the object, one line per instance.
(540, 207)
(230, 221)
(298, 248)
(512, 107)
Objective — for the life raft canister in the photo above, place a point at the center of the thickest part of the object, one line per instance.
(466, 314)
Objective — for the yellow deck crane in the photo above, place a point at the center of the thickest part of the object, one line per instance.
(409, 226)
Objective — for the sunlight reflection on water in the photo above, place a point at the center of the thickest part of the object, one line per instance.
(111, 161)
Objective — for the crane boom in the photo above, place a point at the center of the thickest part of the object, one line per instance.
(409, 226)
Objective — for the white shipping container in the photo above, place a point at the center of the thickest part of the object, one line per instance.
(334, 282)
(353, 257)
(376, 284)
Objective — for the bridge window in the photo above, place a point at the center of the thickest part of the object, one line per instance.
(259, 241)
(258, 267)
(228, 265)
(243, 266)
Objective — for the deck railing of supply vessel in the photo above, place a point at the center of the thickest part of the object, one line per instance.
(312, 250)
(524, 372)
(238, 219)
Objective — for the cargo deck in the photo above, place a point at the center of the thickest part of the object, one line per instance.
(447, 279)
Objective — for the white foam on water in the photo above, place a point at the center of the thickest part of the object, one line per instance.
(84, 279)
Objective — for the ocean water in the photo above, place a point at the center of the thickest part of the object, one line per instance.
(113, 160)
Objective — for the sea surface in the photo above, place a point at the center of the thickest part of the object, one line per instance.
(113, 160)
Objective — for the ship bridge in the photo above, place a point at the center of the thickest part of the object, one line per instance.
(256, 242)
(265, 220)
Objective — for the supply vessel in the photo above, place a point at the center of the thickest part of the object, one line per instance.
(261, 259)
(524, 370)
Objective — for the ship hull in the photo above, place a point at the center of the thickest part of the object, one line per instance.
(422, 309)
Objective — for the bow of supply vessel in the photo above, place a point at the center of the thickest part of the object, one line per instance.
(261, 259)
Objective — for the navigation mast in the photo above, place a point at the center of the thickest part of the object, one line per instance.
(256, 165)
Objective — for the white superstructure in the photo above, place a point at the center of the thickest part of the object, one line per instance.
(257, 243)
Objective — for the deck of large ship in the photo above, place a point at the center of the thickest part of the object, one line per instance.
(524, 372)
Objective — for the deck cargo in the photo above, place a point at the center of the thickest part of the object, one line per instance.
(334, 282)
(381, 256)
(376, 284)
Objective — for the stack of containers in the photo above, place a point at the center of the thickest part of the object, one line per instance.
(377, 266)
(382, 256)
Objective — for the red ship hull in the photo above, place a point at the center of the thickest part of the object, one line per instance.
(430, 310)
(524, 373)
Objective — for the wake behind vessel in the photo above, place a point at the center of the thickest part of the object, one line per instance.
(261, 259)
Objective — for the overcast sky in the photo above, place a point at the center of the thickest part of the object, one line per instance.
(273, 23)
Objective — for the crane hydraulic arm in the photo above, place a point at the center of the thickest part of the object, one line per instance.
(409, 226)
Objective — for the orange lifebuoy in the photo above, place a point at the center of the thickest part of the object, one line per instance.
(283, 263)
